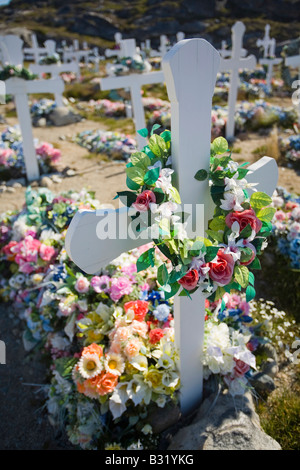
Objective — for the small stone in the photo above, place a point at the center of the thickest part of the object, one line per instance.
(56, 179)
(34, 184)
(70, 172)
(3, 189)
(42, 122)
(17, 185)
(46, 182)
(9, 189)
(262, 383)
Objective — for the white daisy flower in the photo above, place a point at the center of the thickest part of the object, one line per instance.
(89, 366)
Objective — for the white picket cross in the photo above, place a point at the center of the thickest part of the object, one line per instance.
(134, 82)
(190, 69)
(55, 69)
(35, 51)
(180, 36)
(115, 52)
(233, 64)
(20, 88)
(269, 46)
(294, 61)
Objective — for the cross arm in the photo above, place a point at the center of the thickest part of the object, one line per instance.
(292, 61)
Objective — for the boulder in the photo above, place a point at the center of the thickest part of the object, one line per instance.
(62, 116)
(224, 422)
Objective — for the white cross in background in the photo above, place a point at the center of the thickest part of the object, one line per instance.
(115, 52)
(133, 82)
(268, 60)
(11, 48)
(190, 69)
(20, 88)
(35, 51)
(294, 61)
(233, 65)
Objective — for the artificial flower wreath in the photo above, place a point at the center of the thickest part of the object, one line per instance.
(17, 71)
(236, 235)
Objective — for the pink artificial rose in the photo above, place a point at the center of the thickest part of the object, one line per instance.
(241, 368)
(82, 285)
(280, 215)
(221, 270)
(144, 200)
(47, 252)
(120, 286)
(55, 155)
(244, 218)
(190, 280)
(100, 284)
(4, 155)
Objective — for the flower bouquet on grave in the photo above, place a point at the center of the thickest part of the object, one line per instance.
(104, 107)
(17, 71)
(12, 163)
(50, 59)
(112, 144)
(128, 65)
(290, 149)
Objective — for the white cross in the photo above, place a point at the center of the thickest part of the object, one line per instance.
(233, 65)
(190, 69)
(133, 82)
(269, 45)
(266, 42)
(180, 36)
(20, 88)
(294, 61)
(35, 51)
(115, 52)
(11, 48)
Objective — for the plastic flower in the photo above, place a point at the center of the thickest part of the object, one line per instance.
(114, 363)
(89, 366)
(101, 284)
(120, 286)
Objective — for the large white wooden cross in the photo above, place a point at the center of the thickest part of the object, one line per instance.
(233, 64)
(20, 88)
(269, 46)
(133, 82)
(294, 61)
(190, 69)
(11, 48)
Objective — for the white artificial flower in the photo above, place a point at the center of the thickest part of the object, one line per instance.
(232, 201)
(89, 366)
(170, 378)
(147, 429)
(165, 361)
(140, 362)
(117, 402)
(139, 391)
(114, 363)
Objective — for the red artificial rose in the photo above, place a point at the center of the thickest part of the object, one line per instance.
(221, 270)
(140, 308)
(143, 200)
(244, 218)
(7, 250)
(241, 368)
(155, 335)
(190, 280)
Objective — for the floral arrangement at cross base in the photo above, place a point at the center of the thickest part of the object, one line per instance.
(12, 163)
(127, 65)
(50, 59)
(290, 149)
(114, 145)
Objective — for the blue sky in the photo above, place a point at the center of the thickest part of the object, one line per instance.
(4, 2)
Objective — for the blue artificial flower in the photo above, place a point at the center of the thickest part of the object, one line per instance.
(162, 312)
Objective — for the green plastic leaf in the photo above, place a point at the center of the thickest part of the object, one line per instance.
(251, 278)
(219, 146)
(143, 132)
(196, 248)
(175, 194)
(166, 135)
(266, 215)
(255, 264)
(154, 128)
(250, 293)
(241, 275)
(214, 235)
(131, 184)
(246, 232)
(136, 174)
(145, 260)
(173, 291)
(157, 145)
(64, 366)
(242, 173)
(151, 176)
(141, 160)
(162, 275)
(259, 200)
(127, 197)
(201, 175)
(217, 223)
(211, 253)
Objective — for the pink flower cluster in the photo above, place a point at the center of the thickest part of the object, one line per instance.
(47, 151)
(27, 252)
(4, 156)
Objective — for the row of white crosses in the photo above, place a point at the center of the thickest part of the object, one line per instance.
(269, 59)
(190, 70)
(54, 69)
(19, 88)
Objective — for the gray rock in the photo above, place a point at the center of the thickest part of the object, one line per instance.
(62, 116)
(46, 182)
(17, 183)
(262, 383)
(10, 189)
(162, 418)
(3, 188)
(224, 423)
